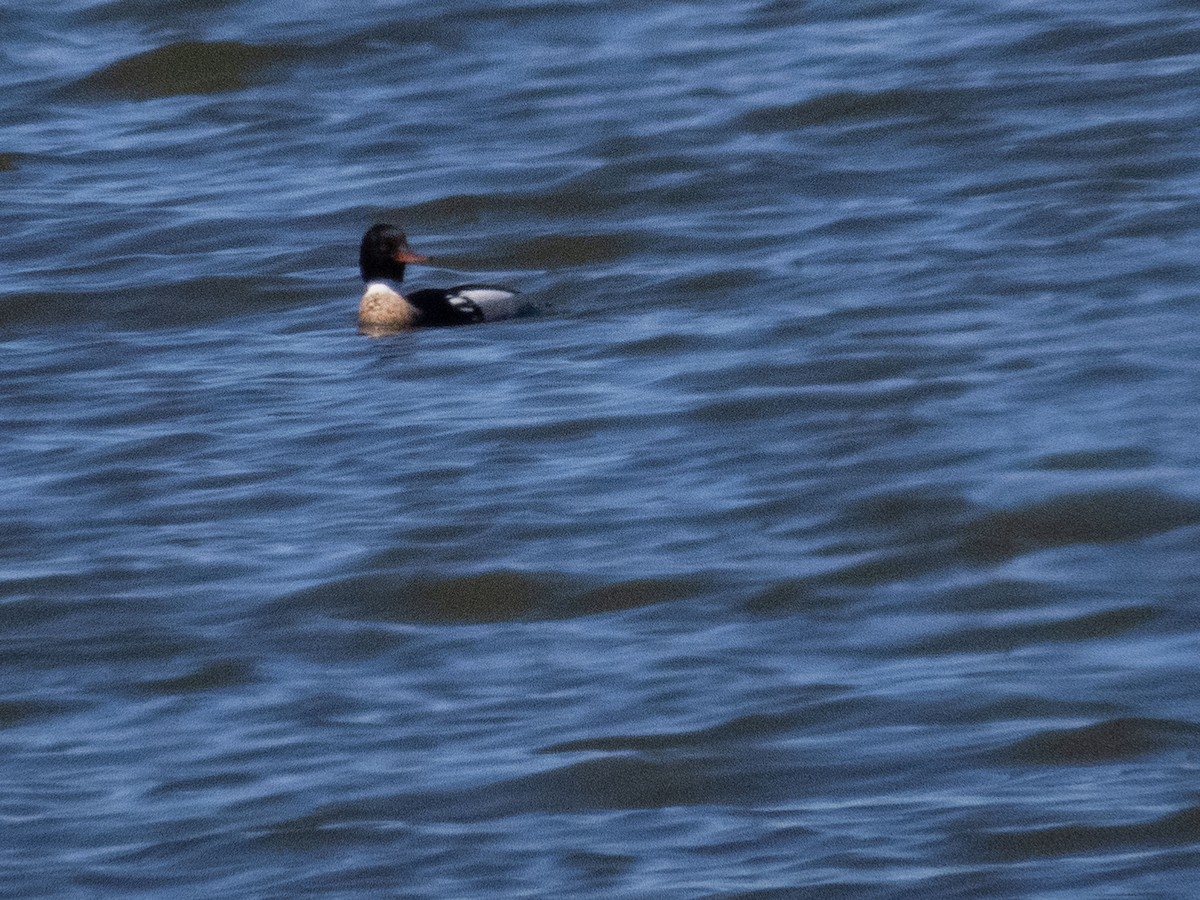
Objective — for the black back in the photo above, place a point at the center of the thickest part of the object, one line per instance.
(436, 308)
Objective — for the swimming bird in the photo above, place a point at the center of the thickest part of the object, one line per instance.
(384, 310)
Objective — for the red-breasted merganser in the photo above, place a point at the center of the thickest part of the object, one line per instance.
(384, 310)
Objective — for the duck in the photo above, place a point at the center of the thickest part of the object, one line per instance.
(382, 258)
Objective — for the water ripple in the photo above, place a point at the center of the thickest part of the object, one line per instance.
(828, 529)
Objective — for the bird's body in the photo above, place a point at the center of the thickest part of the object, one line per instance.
(384, 309)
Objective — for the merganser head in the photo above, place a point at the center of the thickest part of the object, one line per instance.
(384, 252)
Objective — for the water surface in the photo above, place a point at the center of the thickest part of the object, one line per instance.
(830, 530)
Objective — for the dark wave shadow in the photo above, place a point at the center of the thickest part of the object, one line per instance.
(220, 675)
(1113, 739)
(488, 597)
(925, 531)
(1094, 517)
(856, 106)
(197, 301)
(187, 67)
(1022, 844)
(610, 783)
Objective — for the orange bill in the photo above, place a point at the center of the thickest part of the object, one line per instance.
(405, 255)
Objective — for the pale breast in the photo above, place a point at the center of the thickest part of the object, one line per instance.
(382, 307)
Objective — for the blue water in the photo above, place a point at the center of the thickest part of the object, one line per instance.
(829, 530)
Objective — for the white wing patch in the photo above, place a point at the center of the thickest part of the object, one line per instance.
(489, 302)
(481, 295)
